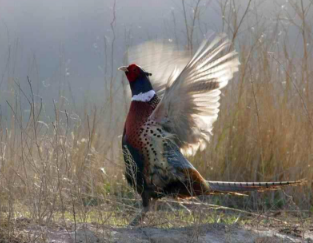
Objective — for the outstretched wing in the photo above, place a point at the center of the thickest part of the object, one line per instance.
(160, 59)
(189, 106)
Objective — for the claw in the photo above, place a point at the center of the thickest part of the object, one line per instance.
(139, 217)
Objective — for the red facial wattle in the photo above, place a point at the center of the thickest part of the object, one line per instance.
(133, 72)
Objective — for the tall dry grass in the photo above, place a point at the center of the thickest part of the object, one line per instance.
(56, 167)
(264, 130)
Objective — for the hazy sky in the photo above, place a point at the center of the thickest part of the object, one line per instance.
(73, 31)
(63, 40)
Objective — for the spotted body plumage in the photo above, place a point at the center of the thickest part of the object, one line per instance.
(162, 169)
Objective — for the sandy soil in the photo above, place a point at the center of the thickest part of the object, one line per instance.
(213, 233)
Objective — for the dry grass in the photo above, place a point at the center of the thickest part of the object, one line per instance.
(70, 166)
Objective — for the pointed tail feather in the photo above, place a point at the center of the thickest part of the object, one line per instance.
(225, 186)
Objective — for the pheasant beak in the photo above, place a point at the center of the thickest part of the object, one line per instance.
(123, 68)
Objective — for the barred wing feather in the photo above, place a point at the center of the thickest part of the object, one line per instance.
(190, 105)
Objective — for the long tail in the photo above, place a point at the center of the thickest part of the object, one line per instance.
(225, 186)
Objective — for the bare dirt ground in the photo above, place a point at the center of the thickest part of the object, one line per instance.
(211, 232)
(194, 223)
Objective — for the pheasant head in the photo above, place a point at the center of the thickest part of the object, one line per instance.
(138, 80)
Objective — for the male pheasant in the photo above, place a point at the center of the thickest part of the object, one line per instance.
(171, 114)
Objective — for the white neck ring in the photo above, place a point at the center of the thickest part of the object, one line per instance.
(144, 97)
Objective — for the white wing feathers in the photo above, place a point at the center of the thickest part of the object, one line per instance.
(190, 103)
(190, 86)
(160, 59)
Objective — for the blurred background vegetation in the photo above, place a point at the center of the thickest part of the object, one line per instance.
(63, 103)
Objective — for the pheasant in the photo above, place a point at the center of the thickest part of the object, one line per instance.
(171, 115)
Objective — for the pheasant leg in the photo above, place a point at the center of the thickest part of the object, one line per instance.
(140, 216)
